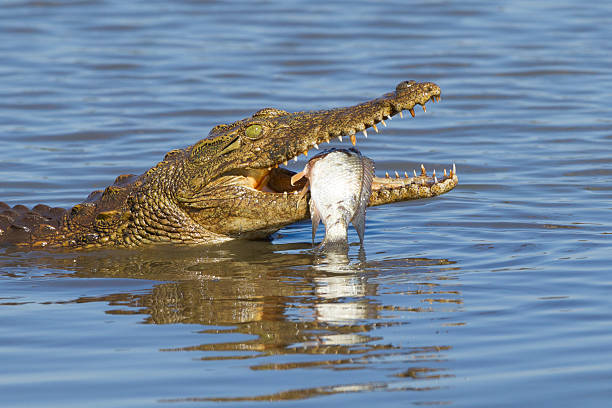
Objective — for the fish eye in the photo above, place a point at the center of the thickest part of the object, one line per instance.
(253, 132)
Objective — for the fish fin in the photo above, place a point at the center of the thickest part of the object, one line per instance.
(302, 194)
(366, 191)
(316, 219)
(296, 177)
(359, 224)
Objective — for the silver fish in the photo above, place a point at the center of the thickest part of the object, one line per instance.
(340, 182)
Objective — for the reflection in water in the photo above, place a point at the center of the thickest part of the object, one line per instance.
(288, 301)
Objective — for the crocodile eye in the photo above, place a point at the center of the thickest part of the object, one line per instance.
(253, 132)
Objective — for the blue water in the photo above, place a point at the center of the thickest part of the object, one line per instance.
(495, 294)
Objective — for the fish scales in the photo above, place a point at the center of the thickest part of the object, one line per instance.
(340, 182)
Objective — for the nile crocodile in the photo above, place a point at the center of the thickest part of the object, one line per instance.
(226, 186)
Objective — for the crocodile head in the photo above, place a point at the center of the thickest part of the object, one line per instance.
(231, 182)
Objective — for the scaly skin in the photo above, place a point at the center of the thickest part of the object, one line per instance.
(226, 186)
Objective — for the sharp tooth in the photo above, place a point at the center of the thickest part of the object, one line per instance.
(435, 180)
(383, 122)
(401, 115)
(411, 112)
(433, 99)
(396, 174)
(340, 138)
(414, 171)
(375, 128)
(445, 175)
(365, 133)
(353, 139)
(306, 153)
(434, 173)
(423, 171)
(406, 174)
(276, 166)
(454, 169)
(424, 109)
(285, 162)
(316, 146)
(327, 140)
(386, 174)
(295, 158)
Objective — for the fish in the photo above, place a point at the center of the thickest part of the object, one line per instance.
(340, 183)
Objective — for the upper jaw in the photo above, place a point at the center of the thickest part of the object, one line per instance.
(293, 134)
(311, 129)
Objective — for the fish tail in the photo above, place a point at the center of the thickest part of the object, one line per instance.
(333, 246)
(336, 237)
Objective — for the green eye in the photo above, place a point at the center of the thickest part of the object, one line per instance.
(253, 132)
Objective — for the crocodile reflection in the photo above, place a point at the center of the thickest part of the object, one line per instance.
(284, 299)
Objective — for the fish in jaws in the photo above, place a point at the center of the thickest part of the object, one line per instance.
(340, 182)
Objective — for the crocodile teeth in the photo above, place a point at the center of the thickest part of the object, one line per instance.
(423, 171)
(406, 174)
(414, 171)
(401, 115)
(396, 174)
(340, 138)
(353, 139)
(316, 146)
(435, 180)
(365, 133)
(375, 128)
(411, 112)
(383, 122)
(445, 173)
(285, 162)
(386, 174)
(295, 158)
(424, 109)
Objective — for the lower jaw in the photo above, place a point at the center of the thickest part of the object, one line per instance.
(278, 180)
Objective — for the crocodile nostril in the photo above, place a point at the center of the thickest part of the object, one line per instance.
(405, 85)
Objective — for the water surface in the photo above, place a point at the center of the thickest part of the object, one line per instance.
(495, 294)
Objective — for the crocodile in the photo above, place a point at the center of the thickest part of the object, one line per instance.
(226, 186)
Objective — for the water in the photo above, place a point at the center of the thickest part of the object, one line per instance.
(495, 294)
